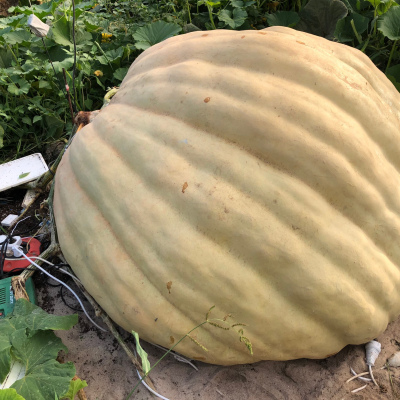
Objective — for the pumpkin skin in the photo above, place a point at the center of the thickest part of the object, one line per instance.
(257, 171)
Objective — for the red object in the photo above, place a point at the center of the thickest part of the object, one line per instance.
(21, 262)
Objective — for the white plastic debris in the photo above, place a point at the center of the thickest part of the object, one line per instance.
(12, 246)
(7, 221)
(22, 170)
(373, 349)
(37, 27)
(394, 360)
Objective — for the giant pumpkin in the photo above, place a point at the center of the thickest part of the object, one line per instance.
(257, 171)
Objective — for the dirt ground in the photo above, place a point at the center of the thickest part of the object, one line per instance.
(110, 375)
(5, 5)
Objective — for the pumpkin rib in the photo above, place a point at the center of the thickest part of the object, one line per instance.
(288, 81)
(332, 142)
(191, 322)
(295, 75)
(269, 164)
(136, 168)
(362, 198)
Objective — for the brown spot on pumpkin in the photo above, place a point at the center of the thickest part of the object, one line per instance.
(295, 228)
(298, 41)
(171, 339)
(206, 34)
(169, 285)
(262, 33)
(184, 187)
(207, 99)
(243, 37)
(199, 358)
(352, 84)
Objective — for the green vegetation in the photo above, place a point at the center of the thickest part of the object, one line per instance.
(27, 336)
(109, 35)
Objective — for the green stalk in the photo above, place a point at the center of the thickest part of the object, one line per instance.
(164, 355)
(16, 59)
(365, 44)
(211, 17)
(355, 31)
(391, 55)
(188, 8)
(104, 54)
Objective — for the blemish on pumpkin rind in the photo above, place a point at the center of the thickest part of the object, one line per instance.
(171, 339)
(207, 99)
(169, 285)
(298, 41)
(243, 37)
(262, 33)
(199, 358)
(206, 34)
(184, 187)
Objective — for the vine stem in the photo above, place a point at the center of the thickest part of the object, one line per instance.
(391, 55)
(163, 356)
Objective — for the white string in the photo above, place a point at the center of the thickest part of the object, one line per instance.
(59, 269)
(64, 284)
(18, 223)
(150, 389)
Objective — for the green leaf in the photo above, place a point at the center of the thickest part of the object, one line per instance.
(120, 73)
(19, 86)
(74, 387)
(283, 18)
(389, 23)
(10, 394)
(37, 118)
(385, 5)
(61, 30)
(190, 28)
(319, 17)
(5, 58)
(237, 3)
(394, 71)
(44, 376)
(344, 31)
(143, 355)
(26, 120)
(154, 33)
(17, 36)
(115, 54)
(233, 19)
(38, 319)
(375, 3)
(67, 63)
(6, 329)
(24, 175)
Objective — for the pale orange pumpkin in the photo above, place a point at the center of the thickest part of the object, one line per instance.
(257, 171)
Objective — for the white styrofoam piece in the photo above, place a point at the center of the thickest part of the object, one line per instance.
(17, 371)
(23, 170)
(7, 221)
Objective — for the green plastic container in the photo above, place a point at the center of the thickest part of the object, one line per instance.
(7, 299)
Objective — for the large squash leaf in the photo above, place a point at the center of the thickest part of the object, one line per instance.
(154, 33)
(27, 336)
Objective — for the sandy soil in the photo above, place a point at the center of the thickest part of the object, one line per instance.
(110, 375)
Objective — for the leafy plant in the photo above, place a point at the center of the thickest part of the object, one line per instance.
(27, 336)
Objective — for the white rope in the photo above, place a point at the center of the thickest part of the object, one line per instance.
(64, 284)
